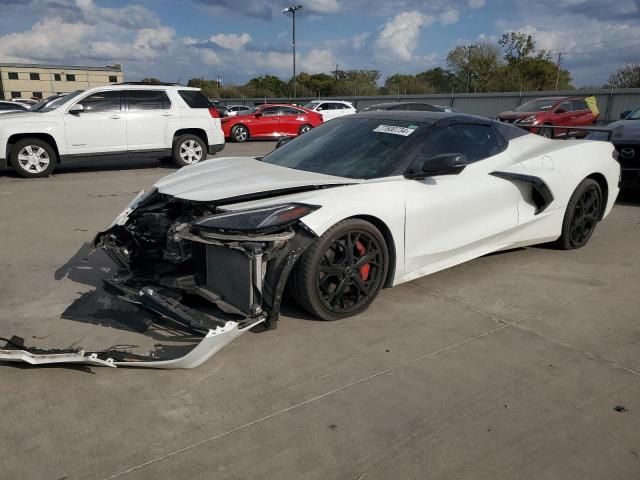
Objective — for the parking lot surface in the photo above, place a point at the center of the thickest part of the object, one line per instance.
(518, 365)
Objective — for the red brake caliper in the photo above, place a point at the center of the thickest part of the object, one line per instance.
(366, 268)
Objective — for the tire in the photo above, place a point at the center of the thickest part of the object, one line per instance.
(188, 150)
(545, 131)
(332, 284)
(240, 133)
(582, 215)
(33, 158)
(304, 129)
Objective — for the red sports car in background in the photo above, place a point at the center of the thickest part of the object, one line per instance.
(569, 111)
(269, 121)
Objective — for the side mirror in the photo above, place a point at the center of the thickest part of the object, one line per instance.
(443, 164)
(561, 110)
(76, 109)
(319, 109)
(257, 115)
(625, 114)
(283, 141)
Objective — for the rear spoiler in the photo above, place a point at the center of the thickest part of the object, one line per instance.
(566, 132)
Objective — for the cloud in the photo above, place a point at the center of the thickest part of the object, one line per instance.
(449, 16)
(399, 36)
(318, 61)
(231, 41)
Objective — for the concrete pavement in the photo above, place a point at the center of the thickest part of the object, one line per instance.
(507, 367)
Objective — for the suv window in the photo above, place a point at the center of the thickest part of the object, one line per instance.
(101, 102)
(11, 106)
(194, 98)
(147, 100)
(476, 142)
(580, 105)
(566, 106)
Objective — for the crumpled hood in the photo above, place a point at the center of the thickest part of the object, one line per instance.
(237, 176)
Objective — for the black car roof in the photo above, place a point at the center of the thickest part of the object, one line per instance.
(441, 118)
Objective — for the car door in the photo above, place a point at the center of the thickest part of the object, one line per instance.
(291, 119)
(453, 218)
(265, 122)
(330, 110)
(582, 113)
(564, 113)
(151, 120)
(100, 127)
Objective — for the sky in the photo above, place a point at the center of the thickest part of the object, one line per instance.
(176, 40)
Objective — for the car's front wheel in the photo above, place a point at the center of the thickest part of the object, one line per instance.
(342, 272)
(32, 157)
(188, 150)
(240, 133)
(583, 213)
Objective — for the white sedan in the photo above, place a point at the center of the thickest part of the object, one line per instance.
(357, 204)
(330, 109)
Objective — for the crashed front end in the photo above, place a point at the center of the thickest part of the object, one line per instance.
(216, 272)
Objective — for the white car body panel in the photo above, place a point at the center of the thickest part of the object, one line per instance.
(435, 223)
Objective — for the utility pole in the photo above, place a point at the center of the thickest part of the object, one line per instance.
(558, 72)
(469, 47)
(293, 9)
(218, 80)
(337, 71)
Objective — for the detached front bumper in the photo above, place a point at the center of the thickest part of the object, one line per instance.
(213, 284)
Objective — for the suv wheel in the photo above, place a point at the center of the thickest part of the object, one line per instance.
(32, 157)
(189, 150)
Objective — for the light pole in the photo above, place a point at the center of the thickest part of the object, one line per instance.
(293, 9)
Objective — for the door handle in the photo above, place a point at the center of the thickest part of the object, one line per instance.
(167, 115)
(114, 117)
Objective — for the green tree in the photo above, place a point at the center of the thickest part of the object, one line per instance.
(266, 86)
(474, 66)
(626, 77)
(439, 79)
(406, 84)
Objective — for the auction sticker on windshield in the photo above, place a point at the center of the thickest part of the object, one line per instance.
(395, 130)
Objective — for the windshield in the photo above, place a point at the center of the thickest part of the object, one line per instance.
(48, 106)
(350, 147)
(635, 115)
(537, 105)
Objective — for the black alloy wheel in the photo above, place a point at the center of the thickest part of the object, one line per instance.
(584, 210)
(342, 272)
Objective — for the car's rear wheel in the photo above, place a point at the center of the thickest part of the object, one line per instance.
(240, 133)
(342, 272)
(32, 157)
(583, 213)
(188, 150)
(304, 129)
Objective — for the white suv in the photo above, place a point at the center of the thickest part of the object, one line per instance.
(128, 119)
(330, 109)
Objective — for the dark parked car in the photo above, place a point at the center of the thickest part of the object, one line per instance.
(413, 106)
(625, 136)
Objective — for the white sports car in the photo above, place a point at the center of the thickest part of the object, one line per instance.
(360, 203)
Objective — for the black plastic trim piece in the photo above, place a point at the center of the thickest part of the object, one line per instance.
(213, 149)
(118, 155)
(542, 196)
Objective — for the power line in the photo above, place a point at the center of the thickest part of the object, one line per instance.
(602, 51)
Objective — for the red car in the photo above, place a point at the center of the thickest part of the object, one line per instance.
(269, 121)
(570, 111)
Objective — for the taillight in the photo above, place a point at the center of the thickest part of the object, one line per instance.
(214, 112)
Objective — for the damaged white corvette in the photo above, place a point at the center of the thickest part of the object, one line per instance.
(360, 203)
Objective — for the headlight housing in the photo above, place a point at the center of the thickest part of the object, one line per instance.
(528, 121)
(255, 220)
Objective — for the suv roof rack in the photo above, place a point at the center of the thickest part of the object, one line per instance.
(160, 84)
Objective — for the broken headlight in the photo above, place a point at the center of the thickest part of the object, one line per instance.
(255, 220)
